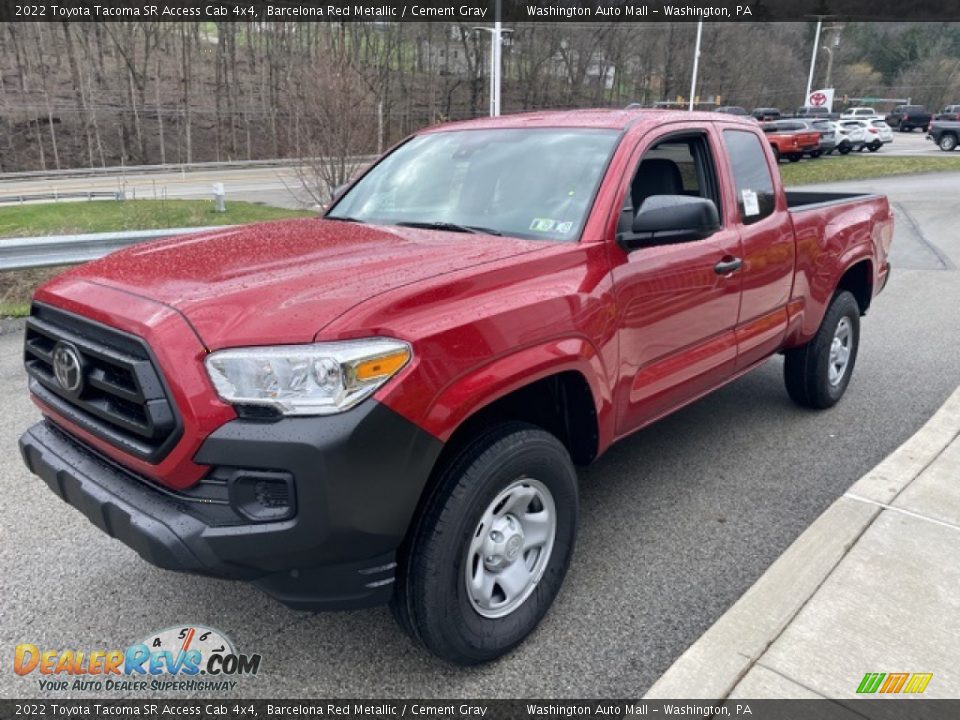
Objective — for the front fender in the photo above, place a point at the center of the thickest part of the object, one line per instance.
(499, 376)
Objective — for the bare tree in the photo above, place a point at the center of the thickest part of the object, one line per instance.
(335, 113)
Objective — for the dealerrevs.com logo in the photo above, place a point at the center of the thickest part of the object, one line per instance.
(185, 659)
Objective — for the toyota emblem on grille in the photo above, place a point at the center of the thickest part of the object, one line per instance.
(67, 368)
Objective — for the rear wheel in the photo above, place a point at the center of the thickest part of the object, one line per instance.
(492, 546)
(795, 157)
(875, 147)
(948, 142)
(843, 149)
(817, 374)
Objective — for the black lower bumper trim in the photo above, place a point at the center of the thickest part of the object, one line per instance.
(357, 477)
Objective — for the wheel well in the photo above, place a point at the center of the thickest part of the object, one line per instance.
(561, 404)
(858, 279)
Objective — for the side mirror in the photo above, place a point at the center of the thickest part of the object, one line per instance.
(664, 219)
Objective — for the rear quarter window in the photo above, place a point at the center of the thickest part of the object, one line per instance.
(751, 175)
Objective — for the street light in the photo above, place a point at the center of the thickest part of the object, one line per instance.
(816, 48)
(696, 65)
(496, 45)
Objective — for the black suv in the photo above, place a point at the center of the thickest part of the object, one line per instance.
(907, 117)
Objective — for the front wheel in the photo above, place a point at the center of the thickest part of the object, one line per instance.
(491, 547)
(843, 149)
(817, 374)
(875, 147)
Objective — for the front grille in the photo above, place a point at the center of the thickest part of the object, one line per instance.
(120, 397)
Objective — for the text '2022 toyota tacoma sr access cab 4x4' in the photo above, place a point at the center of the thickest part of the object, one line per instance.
(387, 404)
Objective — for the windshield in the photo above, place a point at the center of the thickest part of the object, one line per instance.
(529, 183)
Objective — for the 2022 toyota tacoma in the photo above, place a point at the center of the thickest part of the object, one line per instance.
(387, 404)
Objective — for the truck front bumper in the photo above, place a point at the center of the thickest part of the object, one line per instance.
(351, 483)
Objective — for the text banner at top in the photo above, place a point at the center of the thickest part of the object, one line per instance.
(478, 11)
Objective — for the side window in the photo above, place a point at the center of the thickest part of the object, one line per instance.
(677, 165)
(751, 175)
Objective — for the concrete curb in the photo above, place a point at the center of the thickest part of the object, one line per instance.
(714, 664)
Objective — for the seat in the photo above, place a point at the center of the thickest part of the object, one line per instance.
(655, 176)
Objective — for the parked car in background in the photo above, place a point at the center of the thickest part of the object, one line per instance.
(791, 139)
(855, 133)
(808, 111)
(950, 112)
(794, 126)
(907, 117)
(734, 110)
(945, 133)
(871, 134)
(884, 131)
(828, 133)
(859, 113)
(766, 113)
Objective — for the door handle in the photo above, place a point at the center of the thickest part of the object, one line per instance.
(728, 265)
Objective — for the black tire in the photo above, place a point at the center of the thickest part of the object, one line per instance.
(795, 157)
(431, 600)
(816, 153)
(843, 149)
(948, 142)
(806, 369)
(875, 147)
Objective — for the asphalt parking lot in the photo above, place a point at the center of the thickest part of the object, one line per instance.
(677, 522)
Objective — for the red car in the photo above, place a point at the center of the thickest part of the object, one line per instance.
(388, 404)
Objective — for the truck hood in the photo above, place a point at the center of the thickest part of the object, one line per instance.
(282, 282)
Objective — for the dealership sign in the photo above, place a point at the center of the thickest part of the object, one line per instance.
(821, 99)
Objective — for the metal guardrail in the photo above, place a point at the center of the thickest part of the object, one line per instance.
(122, 170)
(56, 196)
(33, 252)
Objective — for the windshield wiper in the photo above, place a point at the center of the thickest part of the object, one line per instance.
(344, 218)
(449, 226)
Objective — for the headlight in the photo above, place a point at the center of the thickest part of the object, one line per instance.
(318, 379)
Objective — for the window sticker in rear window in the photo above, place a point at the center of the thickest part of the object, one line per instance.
(750, 204)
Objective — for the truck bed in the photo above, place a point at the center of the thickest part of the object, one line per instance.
(809, 199)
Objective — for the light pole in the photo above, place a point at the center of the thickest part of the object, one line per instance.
(496, 46)
(696, 65)
(816, 46)
(829, 52)
(813, 59)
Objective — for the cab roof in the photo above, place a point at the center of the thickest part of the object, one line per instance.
(601, 118)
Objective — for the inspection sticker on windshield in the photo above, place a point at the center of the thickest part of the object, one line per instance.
(750, 204)
(542, 224)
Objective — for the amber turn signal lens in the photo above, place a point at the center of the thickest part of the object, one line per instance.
(381, 367)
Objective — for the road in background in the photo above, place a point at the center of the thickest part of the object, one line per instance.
(677, 521)
(279, 186)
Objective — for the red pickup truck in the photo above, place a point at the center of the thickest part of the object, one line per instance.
(792, 140)
(387, 404)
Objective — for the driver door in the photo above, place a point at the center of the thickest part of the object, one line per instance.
(678, 302)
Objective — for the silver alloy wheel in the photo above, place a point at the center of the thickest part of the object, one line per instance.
(840, 348)
(510, 548)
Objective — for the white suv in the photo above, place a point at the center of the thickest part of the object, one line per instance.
(859, 113)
